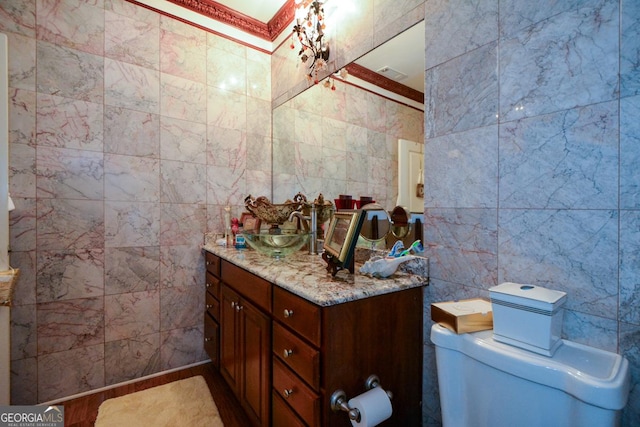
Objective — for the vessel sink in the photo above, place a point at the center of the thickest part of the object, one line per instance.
(277, 245)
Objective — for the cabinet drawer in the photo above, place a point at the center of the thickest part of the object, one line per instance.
(247, 284)
(298, 314)
(211, 338)
(212, 263)
(282, 415)
(297, 354)
(296, 394)
(213, 285)
(213, 306)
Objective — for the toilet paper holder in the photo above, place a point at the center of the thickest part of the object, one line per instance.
(339, 398)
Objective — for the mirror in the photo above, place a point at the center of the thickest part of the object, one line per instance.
(345, 141)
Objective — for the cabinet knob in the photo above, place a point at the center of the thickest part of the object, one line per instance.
(287, 352)
(233, 304)
(208, 285)
(208, 262)
(288, 313)
(207, 339)
(209, 306)
(287, 392)
(239, 307)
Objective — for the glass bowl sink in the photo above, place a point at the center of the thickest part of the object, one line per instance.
(277, 245)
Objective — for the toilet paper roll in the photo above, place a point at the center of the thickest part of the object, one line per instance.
(374, 406)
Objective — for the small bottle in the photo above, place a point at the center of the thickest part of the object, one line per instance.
(240, 241)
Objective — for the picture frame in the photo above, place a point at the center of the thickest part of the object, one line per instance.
(341, 238)
(250, 222)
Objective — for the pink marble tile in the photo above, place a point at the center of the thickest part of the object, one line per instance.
(24, 374)
(70, 224)
(131, 269)
(128, 39)
(131, 358)
(226, 109)
(181, 182)
(66, 325)
(131, 224)
(70, 372)
(73, 174)
(131, 132)
(131, 315)
(77, 25)
(129, 178)
(180, 347)
(22, 225)
(22, 117)
(182, 223)
(226, 71)
(66, 275)
(18, 17)
(131, 86)
(180, 266)
(24, 342)
(184, 56)
(183, 140)
(180, 307)
(22, 170)
(22, 68)
(183, 99)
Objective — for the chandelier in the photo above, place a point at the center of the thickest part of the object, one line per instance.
(309, 29)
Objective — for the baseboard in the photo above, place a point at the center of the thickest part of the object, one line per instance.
(135, 380)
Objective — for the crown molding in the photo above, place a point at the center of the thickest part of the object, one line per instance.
(221, 13)
(385, 83)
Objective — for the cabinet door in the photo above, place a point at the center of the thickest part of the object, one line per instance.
(256, 363)
(229, 338)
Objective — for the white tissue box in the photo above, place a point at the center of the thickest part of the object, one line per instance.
(463, 316)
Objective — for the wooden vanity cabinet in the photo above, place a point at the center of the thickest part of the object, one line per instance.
(318, 350)
(212, 308)
(284, 356)
(245, 340)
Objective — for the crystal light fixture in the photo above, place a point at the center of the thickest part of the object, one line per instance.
(309, 29)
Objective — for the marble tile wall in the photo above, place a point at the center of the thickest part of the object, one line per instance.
(531, 133)
(129, 133)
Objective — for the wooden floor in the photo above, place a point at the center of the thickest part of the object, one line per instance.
(82, 411)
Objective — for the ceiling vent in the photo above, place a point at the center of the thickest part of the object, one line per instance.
(392, 74)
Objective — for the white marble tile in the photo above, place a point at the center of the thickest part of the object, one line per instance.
(22, 116)
(594, 331)
(182, 224)
(180, 347)
(460, 169)
(22, 170)
(630, 48)
(452, 32)
(226, 109)
(22, 225)
(182, 266)
(560, 63)
(24, 342)
(461, 245)
(462, 94)
(567, 159)
(259, 155)
(181, 307)
(630, 267)
(574, 251)
(226, 71)
(226, 147)
(629, 153)
(226, 185)
(259, 117)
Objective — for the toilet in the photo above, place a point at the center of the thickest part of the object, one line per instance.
(487, 383)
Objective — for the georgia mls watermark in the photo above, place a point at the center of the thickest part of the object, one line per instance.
(31, 416)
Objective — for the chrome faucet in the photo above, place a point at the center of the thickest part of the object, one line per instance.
(310, 224)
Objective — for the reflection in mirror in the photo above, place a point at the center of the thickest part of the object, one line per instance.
(376, 223)
(344, 141)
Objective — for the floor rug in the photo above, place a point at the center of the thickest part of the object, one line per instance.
(180, 403)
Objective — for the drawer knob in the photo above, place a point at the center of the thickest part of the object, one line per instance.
(207, 339)
(208, 262)
(287, 392)
(208, 285)
(287, 352)
(209, 306)
(239, 307)
(288, 313)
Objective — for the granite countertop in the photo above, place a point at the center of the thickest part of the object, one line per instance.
(306, 276)
(8, 281)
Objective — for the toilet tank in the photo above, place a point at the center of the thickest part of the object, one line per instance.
(484, 383)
